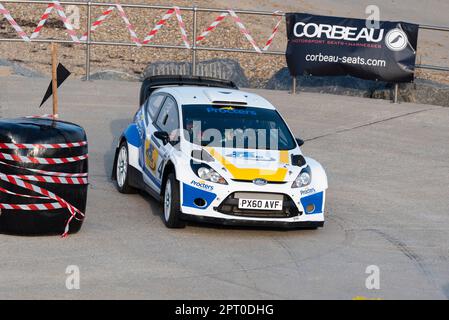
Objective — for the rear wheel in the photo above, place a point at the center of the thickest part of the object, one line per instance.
(122, 170)
(171, 204)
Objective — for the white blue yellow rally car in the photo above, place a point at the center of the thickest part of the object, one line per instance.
(213, 153)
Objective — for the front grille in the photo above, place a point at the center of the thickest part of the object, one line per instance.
(251, 181)
(230, 206)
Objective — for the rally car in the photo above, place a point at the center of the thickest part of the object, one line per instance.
(210, 152)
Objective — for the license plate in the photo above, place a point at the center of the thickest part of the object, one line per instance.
(257, 204)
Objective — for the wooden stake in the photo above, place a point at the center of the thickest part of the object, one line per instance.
(54, 77)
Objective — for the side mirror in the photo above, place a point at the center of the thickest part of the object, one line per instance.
(299, 141)
(163, 136)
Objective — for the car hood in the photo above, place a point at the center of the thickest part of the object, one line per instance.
(248, 165)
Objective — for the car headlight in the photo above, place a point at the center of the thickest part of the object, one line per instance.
(205, 172)
(303, 179)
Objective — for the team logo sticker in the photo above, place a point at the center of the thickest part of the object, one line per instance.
(202, 184)
(151, 155)
(396, 40)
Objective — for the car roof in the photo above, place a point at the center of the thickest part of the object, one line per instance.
(191, 95)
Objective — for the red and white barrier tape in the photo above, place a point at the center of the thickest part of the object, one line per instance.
(243, 29)
(21, 195)
(26, 185)
(63, 18)
(98, 22)
(44, 179)
(13, 157)
(61, 14)
(182, 27)
(15, 146)
(175, 10)
(32, 207)
(29, 207)
(47, 177)
(42, 21)
(47, 173)
(130, 27)
(212, 27)
(45, 116)
(158, 26)
(13, 23)
(273, 34)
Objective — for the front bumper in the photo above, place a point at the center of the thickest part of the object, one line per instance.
(221, 206)
(254, 223)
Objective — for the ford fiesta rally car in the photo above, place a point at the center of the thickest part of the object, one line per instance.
(213, 153)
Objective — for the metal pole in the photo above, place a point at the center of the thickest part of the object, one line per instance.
(89, 4)
(195, 21)
(294, 85)
(396, 93)
(54, 78)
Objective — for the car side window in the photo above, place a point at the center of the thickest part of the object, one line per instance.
(153, 105)
(168, 119)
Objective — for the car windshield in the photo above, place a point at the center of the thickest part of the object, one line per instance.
(236, 127)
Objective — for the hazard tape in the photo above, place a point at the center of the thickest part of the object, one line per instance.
(44, 179)
(242, 28)
(45, 116)
(60, 12)
(158, 26)
(21, 195)
(273, 33)
(47, 173)
(42, 21)
(26, 185)
(32, 207)
(13, 157)
(182, 27)
(175, 10)
(13, 23)
(24, 181)
(98, 22)
(149, 37)
(65, 20)
(70, 30)
(15, 146)
(212, 27)
(29, 207)
(63, 205)
(130, 27)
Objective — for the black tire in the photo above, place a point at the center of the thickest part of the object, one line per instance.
(171, 204)
(122, 168)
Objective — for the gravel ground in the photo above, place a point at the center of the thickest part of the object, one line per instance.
(259, 68)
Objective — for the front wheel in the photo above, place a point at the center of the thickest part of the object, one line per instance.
(171, 204)
(122, 170)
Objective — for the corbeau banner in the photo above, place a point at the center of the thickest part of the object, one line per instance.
(331, 46)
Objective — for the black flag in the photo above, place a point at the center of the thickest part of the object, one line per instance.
(62, 75)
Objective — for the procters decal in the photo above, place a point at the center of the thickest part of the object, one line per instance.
(307, 191)
(190, 194)
(231, 110)
(202, 185)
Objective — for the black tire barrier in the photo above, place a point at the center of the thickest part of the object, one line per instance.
(42, 131)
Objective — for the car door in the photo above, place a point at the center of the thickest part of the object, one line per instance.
(156, 153)
(147, 154)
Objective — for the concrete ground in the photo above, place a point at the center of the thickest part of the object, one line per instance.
(387, 206)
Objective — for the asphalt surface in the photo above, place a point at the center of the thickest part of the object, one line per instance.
(387, 206)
